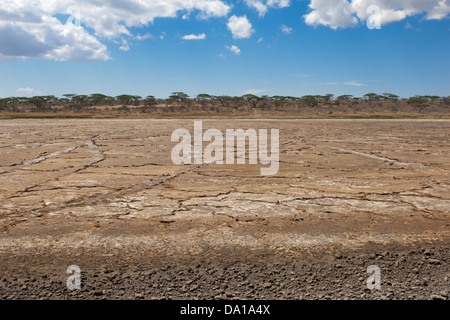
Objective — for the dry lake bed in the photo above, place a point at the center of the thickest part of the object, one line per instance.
(104, 195)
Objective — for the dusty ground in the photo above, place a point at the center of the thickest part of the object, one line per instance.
(104, 195)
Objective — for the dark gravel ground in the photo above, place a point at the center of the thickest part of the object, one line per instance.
(414, 272)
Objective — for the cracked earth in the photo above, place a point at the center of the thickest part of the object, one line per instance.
(104, 195)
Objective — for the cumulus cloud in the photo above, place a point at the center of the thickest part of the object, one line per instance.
(348, 13)
(258, 6)
(254, 91)
(29, 91)
(346, 83)
(234, 49)
(263, 6)
(278, 3)
(333, 14)
(286, 29)
(48, 38)
(31, 29)
(145, 37)
(240, 27)
(125, 46)
(195, 37)
(354, 84)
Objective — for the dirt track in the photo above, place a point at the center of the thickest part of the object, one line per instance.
(104, 195)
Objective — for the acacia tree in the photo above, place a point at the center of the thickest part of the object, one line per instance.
(97, 99)
(10, 103)
(327, 98)
(390, 96)
(179, 96)
(203, 97)
(150, 100)
(420, 102)
(69, 96)
(343, 98)
(128, 99)
(310, 101)
(42, 103)
(252, 99)
(3, 104)
(222, 99)
(110, 100)
(81, 99)
(372, 97)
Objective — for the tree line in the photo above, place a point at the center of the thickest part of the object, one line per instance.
(180, 101)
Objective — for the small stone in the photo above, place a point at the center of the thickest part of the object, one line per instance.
(434, 261)
(437, 297)
(99, 293)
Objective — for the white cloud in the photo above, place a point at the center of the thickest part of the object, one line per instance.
(354, 84)
(441, 11)
(346, 83)
(333, 14)
(258, 6)
(125, 46)
(145, 37)
(195, 37)
(29, 91)
(263, 6)
(348, 13)
(240, 27)
(278, 3)
(254, 91)
(234, 49)
(286, 29)
(29, 28)
(46, 37)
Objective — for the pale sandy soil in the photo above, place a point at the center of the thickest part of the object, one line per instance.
(105, 195)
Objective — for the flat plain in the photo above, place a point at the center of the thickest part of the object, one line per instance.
(104, 195)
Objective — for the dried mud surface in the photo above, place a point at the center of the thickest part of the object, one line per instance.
(105, 195)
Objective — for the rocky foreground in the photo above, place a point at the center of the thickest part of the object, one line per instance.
(104, 195)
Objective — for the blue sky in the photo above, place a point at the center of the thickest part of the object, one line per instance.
(265, 47)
